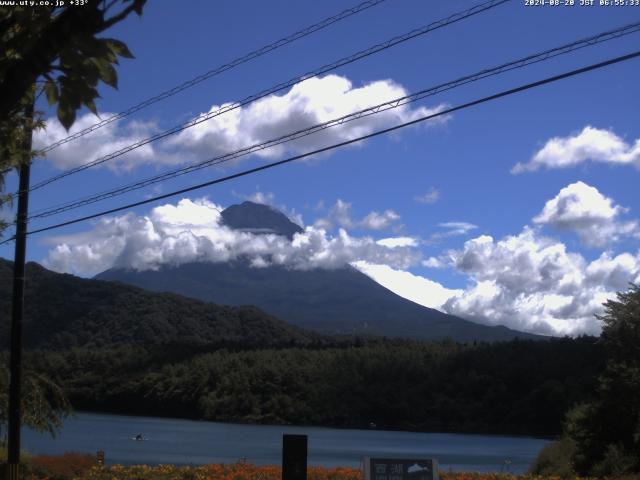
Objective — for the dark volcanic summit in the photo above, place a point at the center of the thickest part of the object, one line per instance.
(257, 218)
(337, 301)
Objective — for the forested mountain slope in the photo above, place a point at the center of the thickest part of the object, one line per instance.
(63, 311)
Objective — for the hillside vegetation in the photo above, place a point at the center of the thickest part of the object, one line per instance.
(520, 387)
(63, 311)
(118, 348)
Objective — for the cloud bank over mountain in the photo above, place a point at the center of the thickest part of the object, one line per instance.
(192, 231)
(534, 283)
(529, 280)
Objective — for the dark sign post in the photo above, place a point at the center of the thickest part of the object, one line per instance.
(400, 469)
(294, 457)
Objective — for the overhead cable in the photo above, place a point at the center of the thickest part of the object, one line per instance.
(473, 103)
(456, 17)
(376, 109)
(218, 70)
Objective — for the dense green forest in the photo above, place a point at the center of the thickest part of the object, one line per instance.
(117, 348)
(519, 387)
(65, 311)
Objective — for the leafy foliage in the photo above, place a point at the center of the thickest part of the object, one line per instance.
(44, 404)
(59, 45)
(520, 387)
(15, 143)
(36, 42)
(606, 430)
(555, 459)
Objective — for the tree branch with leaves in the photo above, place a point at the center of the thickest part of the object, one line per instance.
(44, 404)
(57, 49)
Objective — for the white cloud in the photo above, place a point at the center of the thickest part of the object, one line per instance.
(340, 215)
(191, 231)
(412, 287)
(313, 101)
(613, 271)
(458, 228)
(452, 229)
(308, 103)
(582, 209)
(527, 281)
(591, 144)
(433, 262)
(393, 242)
(532, 283)
(265, 198)
(105, 140)
(379, 221)
(432, 196)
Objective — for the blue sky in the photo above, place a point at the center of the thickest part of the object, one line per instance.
(538, 248)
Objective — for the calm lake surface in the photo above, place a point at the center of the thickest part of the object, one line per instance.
(176, 441)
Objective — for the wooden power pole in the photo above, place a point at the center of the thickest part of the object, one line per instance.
(17, 307)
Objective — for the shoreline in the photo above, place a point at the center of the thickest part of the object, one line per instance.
(323, 427)
(189, 442)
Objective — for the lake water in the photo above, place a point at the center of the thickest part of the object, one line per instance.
(182, 442)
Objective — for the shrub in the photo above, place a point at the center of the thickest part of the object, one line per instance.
(24, 457)
(616, 462)
(555, 459)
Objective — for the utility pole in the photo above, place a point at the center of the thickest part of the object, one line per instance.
(17, 306)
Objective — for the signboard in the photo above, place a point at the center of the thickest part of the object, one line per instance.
(400, 468)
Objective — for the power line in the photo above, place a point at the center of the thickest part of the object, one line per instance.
(281, 86)
(456, 17)
(489, 98)
(222, 68)
(395, 103)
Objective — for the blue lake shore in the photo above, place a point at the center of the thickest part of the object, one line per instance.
(189, 442)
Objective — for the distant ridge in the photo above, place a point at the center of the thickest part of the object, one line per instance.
(63, 311)
(338, 301)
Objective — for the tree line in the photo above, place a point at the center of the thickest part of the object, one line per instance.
(518, 387)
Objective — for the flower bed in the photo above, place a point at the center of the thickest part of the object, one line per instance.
(82, 467)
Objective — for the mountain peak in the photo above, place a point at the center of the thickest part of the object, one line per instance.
(259, 218)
